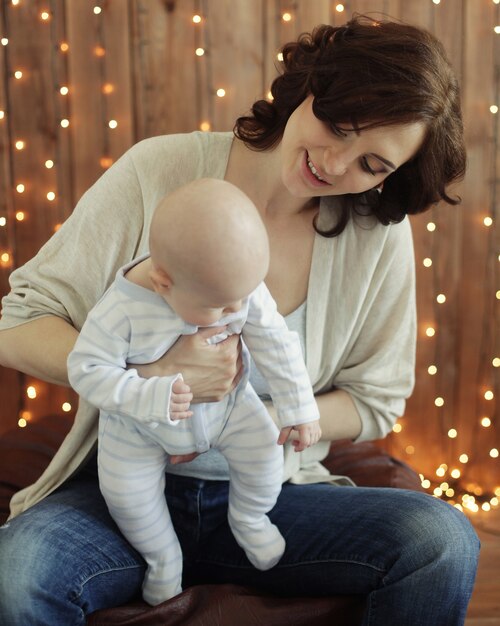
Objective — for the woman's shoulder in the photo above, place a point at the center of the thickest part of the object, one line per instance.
(181, 148)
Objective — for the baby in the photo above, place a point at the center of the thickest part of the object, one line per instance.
(209, 255)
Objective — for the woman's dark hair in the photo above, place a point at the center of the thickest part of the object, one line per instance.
(372, 73)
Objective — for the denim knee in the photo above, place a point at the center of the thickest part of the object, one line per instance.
(433, 532)
(32, 577)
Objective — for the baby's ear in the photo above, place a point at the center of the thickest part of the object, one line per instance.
(161, 279)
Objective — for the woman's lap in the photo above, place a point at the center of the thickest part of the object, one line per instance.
(67, 554)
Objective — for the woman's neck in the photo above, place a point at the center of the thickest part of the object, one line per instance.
(258, 174)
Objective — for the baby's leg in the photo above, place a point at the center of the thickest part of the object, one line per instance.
(255, 460)
(132, 480)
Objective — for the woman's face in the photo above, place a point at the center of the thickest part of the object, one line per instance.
(317, 162)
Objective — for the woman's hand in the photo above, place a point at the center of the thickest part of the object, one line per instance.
(210, 370)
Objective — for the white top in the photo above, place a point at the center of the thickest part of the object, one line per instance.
(360, 327)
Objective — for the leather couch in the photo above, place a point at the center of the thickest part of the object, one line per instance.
(25, 452)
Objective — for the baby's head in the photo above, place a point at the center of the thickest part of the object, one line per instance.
(209, 250)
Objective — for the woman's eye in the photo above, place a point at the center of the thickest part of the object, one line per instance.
(366, 166)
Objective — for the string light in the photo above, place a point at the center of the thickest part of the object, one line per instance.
(18, 74)
(112, 123)
(439, 401)
(431, 227)
(339, 8)
(494, 109)
(221, 92)
(64, 91)
(20, 144)
(49, 164)
(286, 17)
(199, 52)
(197, 19)
(4, 41)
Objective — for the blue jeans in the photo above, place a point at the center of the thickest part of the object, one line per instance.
(414, 556)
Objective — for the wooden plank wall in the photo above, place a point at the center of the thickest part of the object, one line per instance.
(134, 62)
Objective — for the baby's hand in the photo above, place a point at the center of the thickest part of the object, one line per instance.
(180, 400)
(308, 435)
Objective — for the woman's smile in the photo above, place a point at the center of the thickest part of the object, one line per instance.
(313, 173)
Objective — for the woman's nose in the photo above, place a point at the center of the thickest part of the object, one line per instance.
(335, 162)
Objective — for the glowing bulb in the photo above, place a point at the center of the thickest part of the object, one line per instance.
(463, 458)
(339, 8)
(489, 395)
(497, 30)
(44, 15)
(494, 108)
(221, 92)
(3, 221)
(488, 221)
(279, 56)
(4, 41)
(431, 227)
(99, 51)
(427, 262)
(494, 453)
(486, 506)
(496, 362)
(66, 407)
(286, 17)
(112, 123)
(452, 433)
(2, 114)
(20, 145)
(108, 88)
(441, 298)
(22, 423)
(455, 473)
(205, 126)
(97, 10)
(64, 46)
(270, 96)
(436, 1)
(18, 74)
(51, 196)
(397, 428)
(65, 123)
(438, 491)
(31, 392)
(439, 401)
(105, 162)
(430, 331)
(426, 483)
(450, 492)
(441, 471)
(20, 188)
(410, 450)
(432, 370)
(199, 52)
(49, 164)
(15, 2)
(196, 19)
(64, 91)
(20, 216)
(485, 422)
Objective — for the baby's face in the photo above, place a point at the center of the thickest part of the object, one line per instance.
(198, 309)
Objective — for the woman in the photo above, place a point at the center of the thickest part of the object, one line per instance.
(365, 128)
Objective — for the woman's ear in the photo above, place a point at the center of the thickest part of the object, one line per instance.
(161, 280)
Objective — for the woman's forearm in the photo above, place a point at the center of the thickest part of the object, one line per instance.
(339, 418)
(39, 348)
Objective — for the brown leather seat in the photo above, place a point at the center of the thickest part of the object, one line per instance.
(25, 452)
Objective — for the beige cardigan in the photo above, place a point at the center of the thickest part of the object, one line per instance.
(360, 329)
